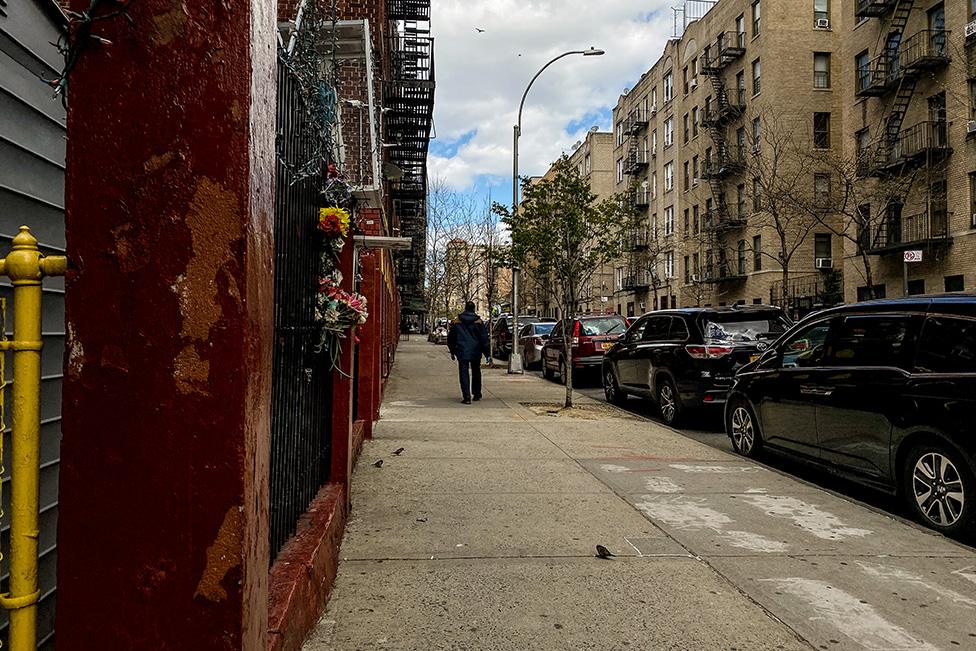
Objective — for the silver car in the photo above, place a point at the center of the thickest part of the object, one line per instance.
(531, 340)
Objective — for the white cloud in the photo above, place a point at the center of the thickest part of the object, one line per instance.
(480, 76)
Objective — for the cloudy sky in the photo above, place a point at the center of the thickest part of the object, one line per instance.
(481, 76)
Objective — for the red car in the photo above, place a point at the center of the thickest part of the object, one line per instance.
(590, 336)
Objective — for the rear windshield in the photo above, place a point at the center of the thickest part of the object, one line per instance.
(743, 327)
(544, 328)
(608, 326)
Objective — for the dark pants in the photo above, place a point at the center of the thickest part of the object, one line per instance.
(472, 381)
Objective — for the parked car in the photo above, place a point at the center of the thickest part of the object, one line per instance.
(531, 340)
(590, 336)
(501, 332)
(883, 393)
(685, 359)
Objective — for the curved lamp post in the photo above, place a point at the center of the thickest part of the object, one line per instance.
(515, 359)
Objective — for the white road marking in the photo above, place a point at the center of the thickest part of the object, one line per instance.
(692, 514)
(661, 485)
(810, 518)
(850, 617)
(717, 470)
(966, 574)
(897, 574)
(610, 467)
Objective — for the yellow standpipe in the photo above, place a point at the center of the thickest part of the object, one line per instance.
(26, 267)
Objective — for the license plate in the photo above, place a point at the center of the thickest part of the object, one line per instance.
(753, 358)
(607, 345)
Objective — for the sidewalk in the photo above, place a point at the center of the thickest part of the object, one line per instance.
(482, 534)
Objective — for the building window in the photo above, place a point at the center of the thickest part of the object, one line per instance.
(741, 255)
(955, 283)
(620, 132)
(654, 143)
(916, 287)
(821, 12)
(653, 185)
(668, 86)
(862, 140)
(821, 70)
(684, 78)
(587, 164)
(669, 264)
(740, 29)
(756, 134)
(694, 170)
(669, 131)
(821, 189)
(821, 130)
(686, 131)
(755, 19)
(822, 246)
(687, 270)
(687, 177)
(687, 222)
(740, 87)
(620, 170)
(694, 121)
(862, 67)
(756, 194)
(694, 219)
(864, 227)
(696, 269)
(654, 98)
(756, 77)
(757, 253)
(740, 142)
(669, 220)
(740, 200)
(669, 176)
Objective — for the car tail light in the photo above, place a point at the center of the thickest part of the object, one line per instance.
(708, 352)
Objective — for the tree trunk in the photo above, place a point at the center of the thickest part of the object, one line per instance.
(868, 273)
(568, 356)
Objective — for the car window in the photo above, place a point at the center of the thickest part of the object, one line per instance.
(557, 330)
(657, 329)
(679, 330)
(871, 341)
(947, 345)
(805, 348)
(637, 330)
(603, 326)
(526, 331)
(744, 327)
(544, 328)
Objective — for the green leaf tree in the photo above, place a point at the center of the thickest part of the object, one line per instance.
(562, 235)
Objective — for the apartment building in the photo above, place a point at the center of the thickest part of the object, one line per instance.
(734, 111)
(593, 159)
(910, 124)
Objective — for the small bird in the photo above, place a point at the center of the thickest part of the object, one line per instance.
(398, 451)
(479, 30)
(603, 552)
(378, 464)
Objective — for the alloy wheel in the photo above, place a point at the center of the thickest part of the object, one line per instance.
(938, 489)
(610, 386)
(667, 403)
(743, 430)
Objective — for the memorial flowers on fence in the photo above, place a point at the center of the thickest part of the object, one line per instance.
(334, 223)
(337, 312)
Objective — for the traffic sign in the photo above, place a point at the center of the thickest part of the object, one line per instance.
(913, 256)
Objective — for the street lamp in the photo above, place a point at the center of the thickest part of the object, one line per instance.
(515, 359)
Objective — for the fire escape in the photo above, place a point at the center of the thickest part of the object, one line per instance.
(726, 160)
(896, 72)
(636, 243)
(409, 109)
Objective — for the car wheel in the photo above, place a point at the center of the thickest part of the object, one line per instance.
(612, 388)
(547, 372)
(669, 402)
(562, 371)
(743, 429)
(939, 487)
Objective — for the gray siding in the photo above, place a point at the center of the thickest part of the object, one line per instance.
(32, 141)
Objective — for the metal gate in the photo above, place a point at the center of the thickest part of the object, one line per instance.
(301, 397)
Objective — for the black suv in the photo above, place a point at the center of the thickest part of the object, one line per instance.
(687, 358)
(882, 392)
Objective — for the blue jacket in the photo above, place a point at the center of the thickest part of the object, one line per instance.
(468, 338)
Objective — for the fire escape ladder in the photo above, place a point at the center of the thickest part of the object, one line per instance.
(900, 18)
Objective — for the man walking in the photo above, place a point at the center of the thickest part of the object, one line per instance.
(468, 341)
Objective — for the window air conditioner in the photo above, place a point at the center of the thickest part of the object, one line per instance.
(695, 278)
(824, 263)
(693, 84)
(823, 23)
(755, 148)
(971, 127)
(971, 29)
(972, 220)
(654, 110)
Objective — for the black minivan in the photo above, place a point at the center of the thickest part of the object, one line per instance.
(687, 358)
(882, 392)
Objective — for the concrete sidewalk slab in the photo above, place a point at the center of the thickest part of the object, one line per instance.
(517, 442)
(493, 526)
(618, 438)
(543, 604)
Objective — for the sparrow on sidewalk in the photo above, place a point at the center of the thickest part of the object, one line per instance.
(603, 552)
(398, 451)
(378, 464)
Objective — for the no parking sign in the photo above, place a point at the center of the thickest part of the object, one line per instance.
(913, 256)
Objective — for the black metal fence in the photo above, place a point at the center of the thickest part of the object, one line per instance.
(302, 378)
